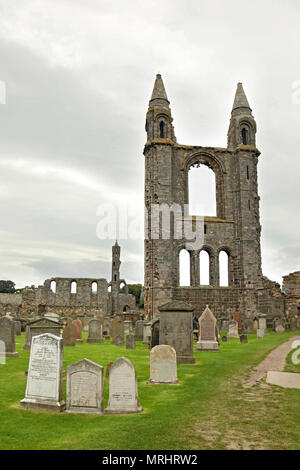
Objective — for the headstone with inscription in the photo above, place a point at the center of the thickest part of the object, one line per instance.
(123, 392)
(85, 387)
(139, 330)
(130, 342)
(44, 380)
(95, 331)
(163, 365)
(117, 332)
(233, 329)
(7, 336)
(176, 329)
(127, 327)
(78, 326)
(207, 332)
(69, 335)
(262, 322)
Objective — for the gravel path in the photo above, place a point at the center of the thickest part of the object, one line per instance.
(274, 361)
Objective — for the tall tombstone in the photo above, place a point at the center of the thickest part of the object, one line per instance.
(262, 322)
(238, 319)
(7, 335)
(139, 330)
(69, 335)
(155, 333)
(85, 387)
(130, 342)
(248, 325)
(207, 332)
(233, 329)
(78, 326)
(44, 380)
(123, 391)
(117, 331)
(176, 329)
(17, 328)
(147, 333)
(224, 325)
(95, 331)
(255, 325)
(106, 326)
(163, 365)
(127, 327)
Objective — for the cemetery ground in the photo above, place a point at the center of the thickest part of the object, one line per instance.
(209, 409)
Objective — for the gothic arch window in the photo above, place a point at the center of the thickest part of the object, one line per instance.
(184, 268)
(94, 287)
(161, 129)
(109, 289)
(245, 135)
(53, 286)
(204, 260)
(202, 190)
(224, 268)
(73, 287)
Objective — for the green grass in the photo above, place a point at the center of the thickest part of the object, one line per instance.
(209, 409)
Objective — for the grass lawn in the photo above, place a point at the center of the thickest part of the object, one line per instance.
(209, 409)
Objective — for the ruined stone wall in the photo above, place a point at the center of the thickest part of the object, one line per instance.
(291, 288)
(10, 303)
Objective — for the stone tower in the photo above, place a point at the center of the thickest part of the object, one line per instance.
(235, 229)
(115, 278)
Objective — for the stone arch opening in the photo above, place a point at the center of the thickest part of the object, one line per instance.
(53, 286)
(223, 268)
(94, 287)
(73, 287)
(204, 267)
(184, 268)
(202, 190)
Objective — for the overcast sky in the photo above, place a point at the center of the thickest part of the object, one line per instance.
(79, 75)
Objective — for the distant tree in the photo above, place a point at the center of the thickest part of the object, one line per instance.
(7, 287)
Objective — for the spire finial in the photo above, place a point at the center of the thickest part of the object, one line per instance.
(159, 95)
(240, 99)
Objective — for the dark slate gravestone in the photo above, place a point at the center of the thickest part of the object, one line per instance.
(224, 339)
(243, 339)
(130, 342)
(119, 340)
(154, 334)
(139, 330)
(176, 329)
(7, 337)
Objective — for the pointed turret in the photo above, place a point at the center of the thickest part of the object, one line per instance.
(159, 118)
(242, 127)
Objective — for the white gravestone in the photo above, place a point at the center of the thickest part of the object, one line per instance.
(163, 365)
(233, 331)
(260, 333)
(207, 332)
(44, 381)
(85, 387)
(123, 393)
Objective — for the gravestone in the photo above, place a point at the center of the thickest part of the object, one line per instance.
(260, 333)
(106, 326)
(95, 331)
(176, 329)
(163, 365)
(233, 329)
(117, 331)
(78, 326)
(255, 325)
(279, 329)
(130, 342)
(17, 328)
(238, 319)
(139, 330)
(127, 327)
(224, 339)
(207, 332)
(147, 333)
(7, 335)
(42, 326)
(243, 339)
(69, 335)
(262, 322)
(52, 316)
(44, 380)
(154, 333)
(85, 387)
(224, 325)
(293, 324)
(248, 325)
(123, 393)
